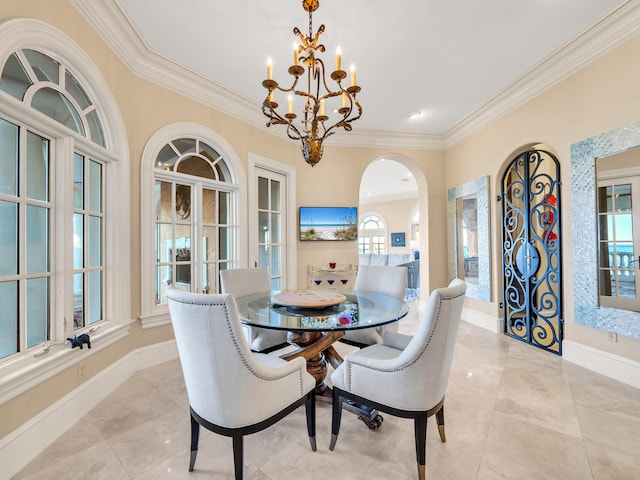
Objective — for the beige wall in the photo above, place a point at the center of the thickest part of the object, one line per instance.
(601, 97)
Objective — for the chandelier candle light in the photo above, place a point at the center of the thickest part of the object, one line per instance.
(314, 125)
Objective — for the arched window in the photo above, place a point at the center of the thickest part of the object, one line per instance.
(372, 235)
(61, 197)
(192, 189)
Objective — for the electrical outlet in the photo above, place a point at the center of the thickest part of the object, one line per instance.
(80, 371)
(613, 337)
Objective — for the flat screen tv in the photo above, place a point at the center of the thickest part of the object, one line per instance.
(328, 223)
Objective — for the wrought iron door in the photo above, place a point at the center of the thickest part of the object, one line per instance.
(531, 255)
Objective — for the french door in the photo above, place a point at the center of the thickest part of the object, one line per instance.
(271, 234)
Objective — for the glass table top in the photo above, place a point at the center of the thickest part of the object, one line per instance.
(360, 310)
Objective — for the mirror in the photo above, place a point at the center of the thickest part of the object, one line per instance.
(588, 309)
(618, 206)
(468, 226)
(467, 241)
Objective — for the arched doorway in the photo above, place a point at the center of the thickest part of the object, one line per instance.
(394, 187)
(531, 253)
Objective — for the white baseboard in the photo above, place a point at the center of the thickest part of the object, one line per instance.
(26, 442)
(483, 320)
(608, 364)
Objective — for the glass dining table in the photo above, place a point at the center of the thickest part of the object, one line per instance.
(315, 329)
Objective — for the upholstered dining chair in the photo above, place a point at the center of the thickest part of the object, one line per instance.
(379, 279)
(405, 376)
(246, 281)
(233, 391)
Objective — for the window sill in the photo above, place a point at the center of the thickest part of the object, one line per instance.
(155, 320)
(26, 371)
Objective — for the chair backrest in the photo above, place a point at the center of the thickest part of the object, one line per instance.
(217, 364)
(382, 279)
(432, 346)
(244, 281)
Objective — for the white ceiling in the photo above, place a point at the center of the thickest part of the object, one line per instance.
(461, 63)
(444, 58)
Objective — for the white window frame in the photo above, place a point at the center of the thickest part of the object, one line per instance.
(26, 370)
(153, 315)
(379, 232)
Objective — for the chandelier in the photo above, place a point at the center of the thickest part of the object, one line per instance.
(314, 124)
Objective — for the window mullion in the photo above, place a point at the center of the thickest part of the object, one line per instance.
(62, 260)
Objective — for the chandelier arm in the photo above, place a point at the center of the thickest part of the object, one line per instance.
(276, 119)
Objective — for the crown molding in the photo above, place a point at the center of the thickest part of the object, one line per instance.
(619, 25)
(114, 26)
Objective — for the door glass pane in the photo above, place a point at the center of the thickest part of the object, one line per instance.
(14, 80)
(626, 283)
(9, 318)
(95, 186)
(263, 193)
(37, 247)
(8, 238)
(183, 239)
(164, 239)
(78, 300)
(78, 240)
(163, 201)
(78, 181)
(263, 227)
(275, 261)
(224, 211)
(276, 284)
(275, 228)
(208, 206)
(37, 311)
(275, 195)
(622, 198)
(183, 203)
(8, 158)
(95, 296)
(263, 256)
(209, 243)
(37, 167)
(163, 278)
(95, 241)
(209, 276)
(624, 227)
(224, 253)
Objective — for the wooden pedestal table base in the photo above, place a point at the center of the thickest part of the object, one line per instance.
(317, 349)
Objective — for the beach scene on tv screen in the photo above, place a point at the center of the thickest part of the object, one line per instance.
(328, 223)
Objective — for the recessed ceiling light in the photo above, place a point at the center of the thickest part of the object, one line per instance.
(414, 115)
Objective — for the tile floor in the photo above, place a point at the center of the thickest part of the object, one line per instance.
(512, 412)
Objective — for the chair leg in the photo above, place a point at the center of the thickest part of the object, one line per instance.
(440, 420)
(420, 430)
(310, 407)
(336, 417)
(195, 436)
(237, 455)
